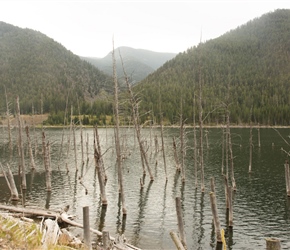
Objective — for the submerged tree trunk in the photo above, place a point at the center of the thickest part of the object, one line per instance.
(182, 147)
(251, 148)
(45, 152)
(177, 164)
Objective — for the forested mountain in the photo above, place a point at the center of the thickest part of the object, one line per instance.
(245, 69)
(138, 63)
(40, 70)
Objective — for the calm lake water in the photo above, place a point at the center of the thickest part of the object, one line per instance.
(261, 207)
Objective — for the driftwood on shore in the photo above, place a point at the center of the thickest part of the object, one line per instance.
(62, 216)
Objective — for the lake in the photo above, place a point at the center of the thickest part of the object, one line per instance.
(261, 206)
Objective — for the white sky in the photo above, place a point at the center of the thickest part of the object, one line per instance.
(87, 27)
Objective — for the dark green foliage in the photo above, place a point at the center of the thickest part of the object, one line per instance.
(254, 58)
(38, 69)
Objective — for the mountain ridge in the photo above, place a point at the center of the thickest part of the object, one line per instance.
(246, 69)
(39, 69)
(138, 63)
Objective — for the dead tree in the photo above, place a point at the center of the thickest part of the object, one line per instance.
(177, 164)
(136, 120)
(32, 163)
(100, 167)
(11, 183)
(20, 146)
(182, 142)
(201, 133)
(8, 127)
(117, 134)
(251, 145)
(215, 217)
(195, 147)
(45, 152)
(287, 178)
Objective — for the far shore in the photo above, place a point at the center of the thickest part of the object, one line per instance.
(37, 121)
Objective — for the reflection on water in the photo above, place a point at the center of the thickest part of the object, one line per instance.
(261, 207)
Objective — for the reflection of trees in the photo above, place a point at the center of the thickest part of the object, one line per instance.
(121, 224)
(163, 214)
(201, 229)
(142, 205)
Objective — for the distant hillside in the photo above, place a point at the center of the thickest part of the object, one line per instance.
(38, 69)
(138, 63)
(246, 68)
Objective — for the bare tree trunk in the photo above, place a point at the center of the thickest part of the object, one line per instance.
(81, 134)
(195, 149)
(8, 127)
(87, 148)
(62, 136)
(75, 147)
(32, 163)
(11, 183)
(215, 217)
(223, 149)
(177, 164)
(21, 151)
(99, 166)
(226, 190)
(182, 147)
(34, 134)
(230, 207)
(259, 136)
(163, 148)
(287, 177)
(46, 163)
(251, 148)
(212, 185)
(117, 136)
(231, 151)
(201, 135)
(180, 221)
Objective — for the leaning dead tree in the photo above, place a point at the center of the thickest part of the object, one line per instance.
(117, 134)
(10, 182)
(100, 167)
(136, 120)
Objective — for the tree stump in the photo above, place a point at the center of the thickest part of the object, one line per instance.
(273, 244)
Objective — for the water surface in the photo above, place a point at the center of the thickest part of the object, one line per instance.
(261, 207)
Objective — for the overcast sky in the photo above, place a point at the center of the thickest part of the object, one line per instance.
(87, 28)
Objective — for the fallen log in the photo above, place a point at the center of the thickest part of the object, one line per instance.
(63, 216)
(32, 211)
